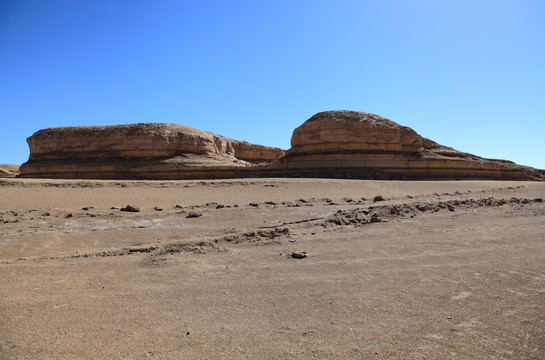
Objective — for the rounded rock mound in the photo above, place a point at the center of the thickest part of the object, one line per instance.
(353, 130)
(354, 144)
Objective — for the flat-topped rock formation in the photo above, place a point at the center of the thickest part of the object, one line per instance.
(362, 145)
(338, 144)
(147, 150)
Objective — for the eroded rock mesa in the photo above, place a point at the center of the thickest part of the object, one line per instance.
(362, 145)
(146, 150)
(338, 144)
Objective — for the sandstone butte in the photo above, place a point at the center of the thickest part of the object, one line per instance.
(337, 144)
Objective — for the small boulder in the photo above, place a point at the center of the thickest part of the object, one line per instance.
(378, 198)
(130, 208)
(422, 207)
(193, 214)
(375, 218)
(299, 254)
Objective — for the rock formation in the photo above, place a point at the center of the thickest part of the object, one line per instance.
(9, 170)
(347, 144)
(362, 145)
(136, 151)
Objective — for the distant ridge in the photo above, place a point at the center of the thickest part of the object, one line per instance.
(9, 170)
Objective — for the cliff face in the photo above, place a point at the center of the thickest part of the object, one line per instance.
(330, 144)
(149, 150)
(363, 145)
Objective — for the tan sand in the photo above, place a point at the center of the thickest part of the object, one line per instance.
(80, 280)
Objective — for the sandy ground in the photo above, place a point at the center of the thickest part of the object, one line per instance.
(439, 270)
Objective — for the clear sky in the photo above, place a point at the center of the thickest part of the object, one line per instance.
(469, 74)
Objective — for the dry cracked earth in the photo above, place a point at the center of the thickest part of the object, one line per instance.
(272, 268)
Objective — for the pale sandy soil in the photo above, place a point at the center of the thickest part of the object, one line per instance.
(80, 280)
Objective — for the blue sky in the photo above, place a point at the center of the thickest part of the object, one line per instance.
(466, 73)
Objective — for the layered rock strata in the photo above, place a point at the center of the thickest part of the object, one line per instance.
(140, 151)
(339, 144)
(362, 145)
(9, 170)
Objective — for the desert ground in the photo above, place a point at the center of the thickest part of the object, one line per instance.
(209, 269)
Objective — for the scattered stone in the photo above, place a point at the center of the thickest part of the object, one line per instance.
(220, 206)
(254, 204)
(115, 208)
(378, 198)
(46, 213)
(130, 208)
(299, 254)
(422, 207)
(178, 206)
(193, 214)
(158, 208)
(374, 218)
(450, 207)
(270, 203)
(69, 215)
(231, 238)
(266, 233)
(348, 200)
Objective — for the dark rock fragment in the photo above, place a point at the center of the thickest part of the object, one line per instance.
(130, 208)
(299, 254)
(193, 214)
(422, 207)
